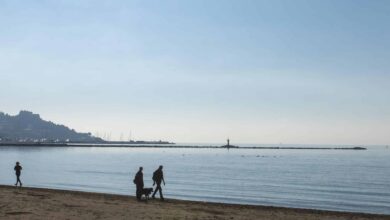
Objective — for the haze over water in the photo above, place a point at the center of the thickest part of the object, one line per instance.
(348, 180)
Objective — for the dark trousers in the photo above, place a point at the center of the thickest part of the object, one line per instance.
(139, 191)
(158, 188)
(18, 180)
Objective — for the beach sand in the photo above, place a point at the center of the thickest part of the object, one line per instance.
(34, 203)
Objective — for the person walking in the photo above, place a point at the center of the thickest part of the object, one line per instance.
(18, 170)
(139, 182)
(158, 177)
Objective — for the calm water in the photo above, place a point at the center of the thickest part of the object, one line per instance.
(357, 181)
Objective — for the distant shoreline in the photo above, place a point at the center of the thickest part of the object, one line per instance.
(169, 146)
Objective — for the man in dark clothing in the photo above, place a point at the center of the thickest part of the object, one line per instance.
(158, 177)
(139, 182)
(18, 170)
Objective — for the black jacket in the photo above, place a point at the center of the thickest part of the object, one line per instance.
(17, 169)
(139, 179)
(158, 176)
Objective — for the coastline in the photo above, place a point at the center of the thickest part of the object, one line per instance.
(169, 146)
(41, 203)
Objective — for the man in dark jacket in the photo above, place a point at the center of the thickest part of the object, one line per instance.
(18, 170)
(158, 177)
(139, 182)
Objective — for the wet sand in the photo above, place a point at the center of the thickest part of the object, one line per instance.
(34, 203)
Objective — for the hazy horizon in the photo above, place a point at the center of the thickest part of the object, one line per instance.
(307, 72)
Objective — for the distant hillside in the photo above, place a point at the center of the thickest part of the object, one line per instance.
(29, 127)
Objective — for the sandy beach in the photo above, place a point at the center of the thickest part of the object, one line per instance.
(34, 203)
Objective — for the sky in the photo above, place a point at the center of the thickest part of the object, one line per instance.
(307, 72)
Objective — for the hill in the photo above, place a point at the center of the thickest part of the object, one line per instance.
(29, 127)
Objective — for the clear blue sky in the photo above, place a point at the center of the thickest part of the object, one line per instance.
(201, 71)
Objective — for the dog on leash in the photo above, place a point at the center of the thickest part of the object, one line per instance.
(146, 192)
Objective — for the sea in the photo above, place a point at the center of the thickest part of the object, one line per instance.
(339, 180)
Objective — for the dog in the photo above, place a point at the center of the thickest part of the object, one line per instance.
(146, 192)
